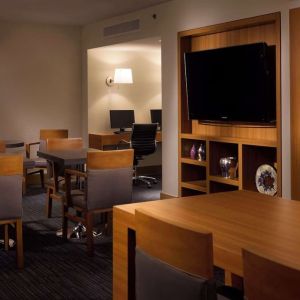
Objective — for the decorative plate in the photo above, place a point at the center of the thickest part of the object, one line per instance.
(266, 180)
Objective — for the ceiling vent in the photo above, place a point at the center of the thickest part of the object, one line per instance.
(121, 28)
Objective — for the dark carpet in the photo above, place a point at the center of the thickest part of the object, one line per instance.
(55, 269)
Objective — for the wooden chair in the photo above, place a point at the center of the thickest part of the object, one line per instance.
(2, 146)
(40, 164)
(53, 190)
(265, 279)
(171, 254)
(107, 182)
(11, 176)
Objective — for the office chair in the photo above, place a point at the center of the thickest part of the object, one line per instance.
(107, 182)
(173, 262)
(143, 143)
(265, 279)
(11, 177)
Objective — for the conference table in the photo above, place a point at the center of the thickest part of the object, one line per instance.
(239, 219)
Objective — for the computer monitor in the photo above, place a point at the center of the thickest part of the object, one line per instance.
(156, 116)
(121, 119)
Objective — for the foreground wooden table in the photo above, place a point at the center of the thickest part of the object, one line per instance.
(239, 219)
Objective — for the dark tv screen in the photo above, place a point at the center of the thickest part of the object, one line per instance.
(234, 84)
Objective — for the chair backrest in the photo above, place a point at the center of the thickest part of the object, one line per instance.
(172, 262)
(188, 250)
(143, 138)
(53, 133)
(265, 279)
(2, 146)
(11, 176)
(109, 178)
(57, 144)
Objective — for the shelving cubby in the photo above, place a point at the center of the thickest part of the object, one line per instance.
(253, 157)
(252, 145)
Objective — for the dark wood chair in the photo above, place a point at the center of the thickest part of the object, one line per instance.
(55, 172)
(39, 164)
(107, 182)
(2, 146)
(11, 177)
(267, 279)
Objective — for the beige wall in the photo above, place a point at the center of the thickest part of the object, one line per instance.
(40, 79)
(141, 96)
(176, 16)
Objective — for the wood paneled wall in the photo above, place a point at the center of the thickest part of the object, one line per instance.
(295, 100)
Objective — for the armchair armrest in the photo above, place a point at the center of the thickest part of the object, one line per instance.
(28, 147)
(75, 172)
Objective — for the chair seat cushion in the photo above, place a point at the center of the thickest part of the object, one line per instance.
(156, 280)
(40, 162)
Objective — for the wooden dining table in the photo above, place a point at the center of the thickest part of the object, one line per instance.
(65, 157)
(237, 220)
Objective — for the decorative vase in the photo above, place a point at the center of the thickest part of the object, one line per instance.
(201, 153)
(228, 167)
(193, 152)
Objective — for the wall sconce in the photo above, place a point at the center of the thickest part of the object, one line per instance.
(123, 76)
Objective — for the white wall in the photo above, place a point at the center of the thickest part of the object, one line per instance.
(176, 16)
(141, 96)
(40, 79)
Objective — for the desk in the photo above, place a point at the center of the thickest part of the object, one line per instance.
(101, 139)
(239, 219)
(13, 143)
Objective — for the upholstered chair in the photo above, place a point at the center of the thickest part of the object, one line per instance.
(107, 182)
(11, 177)
(56, 172)
(37, 164)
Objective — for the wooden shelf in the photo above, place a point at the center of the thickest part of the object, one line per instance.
(251, 144)
(256, 142)
(224, 180)
(196, 162)
(198, 185)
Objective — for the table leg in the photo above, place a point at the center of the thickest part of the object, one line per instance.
(123, 266)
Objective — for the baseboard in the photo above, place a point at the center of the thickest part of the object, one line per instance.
(166, 196)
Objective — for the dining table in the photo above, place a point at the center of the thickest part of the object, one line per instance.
(237, 220)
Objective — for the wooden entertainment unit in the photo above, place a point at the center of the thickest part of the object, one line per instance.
(251, 145)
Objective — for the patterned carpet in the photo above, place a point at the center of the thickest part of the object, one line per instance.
(55, 269)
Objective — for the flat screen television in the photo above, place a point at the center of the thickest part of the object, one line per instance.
(156, 117)
(233, 84)
(121, 119)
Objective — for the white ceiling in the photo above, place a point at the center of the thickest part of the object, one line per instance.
(69, 12)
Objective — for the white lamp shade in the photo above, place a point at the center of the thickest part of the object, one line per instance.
(123, 76)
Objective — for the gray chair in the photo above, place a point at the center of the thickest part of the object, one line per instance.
(107, 182)
(39, 165)
(55, 172)
(11, 177)
(173, 262)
